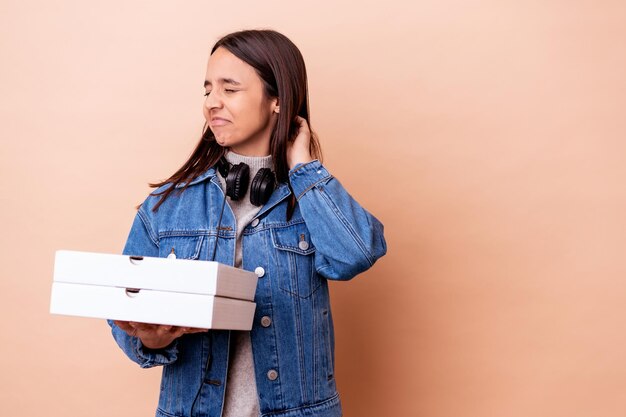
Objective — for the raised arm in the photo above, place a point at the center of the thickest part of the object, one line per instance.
(347, 238)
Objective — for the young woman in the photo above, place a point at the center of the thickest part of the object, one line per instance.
(295, 226)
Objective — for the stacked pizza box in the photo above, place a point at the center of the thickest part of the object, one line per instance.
(179, 292)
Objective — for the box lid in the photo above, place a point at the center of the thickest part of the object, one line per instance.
(144, 272)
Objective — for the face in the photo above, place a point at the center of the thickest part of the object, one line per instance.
(238, 112)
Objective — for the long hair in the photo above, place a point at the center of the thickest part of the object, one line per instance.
(279, 64)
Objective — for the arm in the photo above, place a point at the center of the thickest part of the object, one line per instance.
(348, 239)
(142, 241)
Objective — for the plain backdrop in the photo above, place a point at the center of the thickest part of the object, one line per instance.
(488, 136)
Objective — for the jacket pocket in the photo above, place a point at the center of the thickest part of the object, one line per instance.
(295, 260)
(185, 247)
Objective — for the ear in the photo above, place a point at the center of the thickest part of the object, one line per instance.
(275, 106)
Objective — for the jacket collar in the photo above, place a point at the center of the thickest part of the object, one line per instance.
(208, 174)
(281, 192)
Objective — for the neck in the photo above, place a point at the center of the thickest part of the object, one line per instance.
(253, 148)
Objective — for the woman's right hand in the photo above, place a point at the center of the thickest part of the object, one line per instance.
(155, 336)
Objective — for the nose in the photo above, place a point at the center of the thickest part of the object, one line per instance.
(213, 101)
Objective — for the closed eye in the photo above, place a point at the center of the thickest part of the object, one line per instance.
(228, 90)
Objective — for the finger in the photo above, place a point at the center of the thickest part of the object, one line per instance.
(124, 325)
(302, 122)
(120, 323)
(187, 330)
(130, 330)
(196, 330)
(143, 326)
(178, 331)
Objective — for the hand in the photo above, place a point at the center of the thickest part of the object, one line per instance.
(155, 336)
(298, 149)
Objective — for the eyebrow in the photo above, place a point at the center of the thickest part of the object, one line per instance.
(223, 81)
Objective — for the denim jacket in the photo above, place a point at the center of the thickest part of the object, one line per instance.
(328, 236)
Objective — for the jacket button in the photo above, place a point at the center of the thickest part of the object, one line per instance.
(255, 222)
(304, 245)
(266, 321)
(272, 375)
(259, 271)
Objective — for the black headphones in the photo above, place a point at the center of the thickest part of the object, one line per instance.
(237, 178)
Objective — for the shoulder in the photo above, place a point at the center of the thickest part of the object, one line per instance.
(152, 200)
(167, 198)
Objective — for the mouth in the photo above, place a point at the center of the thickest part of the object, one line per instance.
(218, 121)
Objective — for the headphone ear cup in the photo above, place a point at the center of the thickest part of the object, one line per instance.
(237, 181)
(262, 186)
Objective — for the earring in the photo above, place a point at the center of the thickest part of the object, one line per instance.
(277, 110)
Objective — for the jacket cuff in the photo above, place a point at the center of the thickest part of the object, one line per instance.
(303, 177)
(152, 357)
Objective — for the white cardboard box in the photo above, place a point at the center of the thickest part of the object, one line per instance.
(177, 292)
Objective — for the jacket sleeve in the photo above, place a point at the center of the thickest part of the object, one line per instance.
(142, 241)
(347, 238)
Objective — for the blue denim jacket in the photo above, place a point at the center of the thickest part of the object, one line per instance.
(294, 354)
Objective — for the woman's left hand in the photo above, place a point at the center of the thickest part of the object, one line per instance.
(155, 336)
(298, 150)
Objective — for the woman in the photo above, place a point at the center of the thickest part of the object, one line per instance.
(295, 226)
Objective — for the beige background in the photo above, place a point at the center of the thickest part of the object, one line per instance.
(488, 136)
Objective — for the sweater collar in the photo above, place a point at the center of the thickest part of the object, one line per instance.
(254, 162)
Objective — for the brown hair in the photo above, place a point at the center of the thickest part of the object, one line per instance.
(280, 65)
